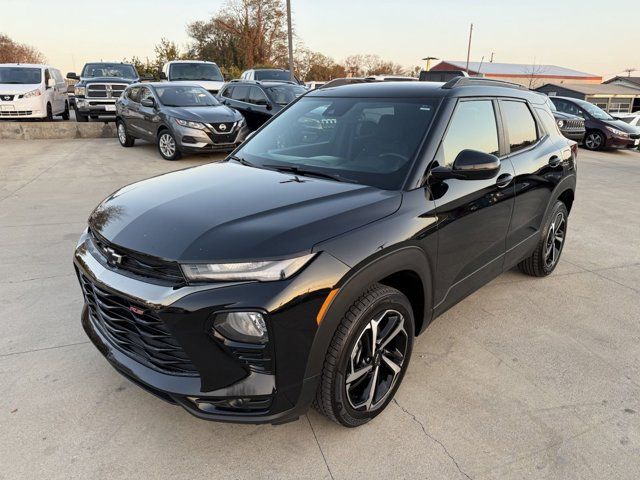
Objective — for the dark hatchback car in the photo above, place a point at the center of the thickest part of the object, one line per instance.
(259, 101)
(329, 240)
(602, 130)
(178, 119)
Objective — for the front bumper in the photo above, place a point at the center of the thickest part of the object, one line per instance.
(196, 140)
(23, 108)
(615, 141)
(95, 107)
(222, 379)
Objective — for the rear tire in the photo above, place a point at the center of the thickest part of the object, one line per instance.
(124, 138)
(594, 140)
(167, 146)
(546, 256)
(65, 114)
(358, 380)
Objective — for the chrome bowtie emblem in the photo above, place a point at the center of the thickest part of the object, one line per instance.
(223, 127)
(113, 258)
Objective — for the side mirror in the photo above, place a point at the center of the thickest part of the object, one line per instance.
(163, 76)
(51, 83)
(148, 102)
(73, 76)
(469, 165)
(262, 102)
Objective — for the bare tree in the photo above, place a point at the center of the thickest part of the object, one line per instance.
(14, 52)
(533, 72)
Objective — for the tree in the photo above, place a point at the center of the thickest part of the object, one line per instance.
(14, 52)
(316, 66)
(366, 65)
(244, 34)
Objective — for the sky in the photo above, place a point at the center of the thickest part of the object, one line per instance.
(578, 34)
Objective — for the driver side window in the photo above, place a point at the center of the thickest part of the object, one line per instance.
(473, 126)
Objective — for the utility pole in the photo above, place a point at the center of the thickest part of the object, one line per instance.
(428, 64)
(469, 47)
(290, 34)
(629, 71)
(491, 61)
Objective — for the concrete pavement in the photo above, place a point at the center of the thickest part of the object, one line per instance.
(526, 378)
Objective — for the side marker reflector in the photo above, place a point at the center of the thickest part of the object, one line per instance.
(326, 305)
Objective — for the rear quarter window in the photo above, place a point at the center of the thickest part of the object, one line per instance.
(521, 126)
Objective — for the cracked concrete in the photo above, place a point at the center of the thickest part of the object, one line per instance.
(525, 379)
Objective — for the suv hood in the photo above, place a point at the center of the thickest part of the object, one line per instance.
(219, 113)
(227, 211)
(621, 125)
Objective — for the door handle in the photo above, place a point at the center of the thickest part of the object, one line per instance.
(554, 161)
(504, 180)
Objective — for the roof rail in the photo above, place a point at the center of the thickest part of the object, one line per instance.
(475, 81)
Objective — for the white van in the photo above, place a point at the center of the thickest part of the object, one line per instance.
(198, 72)
(32, 91)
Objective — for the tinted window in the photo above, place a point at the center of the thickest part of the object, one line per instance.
(133, 94)
(20, 75)
(360, 140)
(272, 75)
(240, 93)
(473, 127)
(227, 92)
(145, 93)
(521, 127)
(567, 107)
(119, 70)
(257, 96)
(195, 71)
(185, 96)
(285, 94)
(47, 76)
(548, 120)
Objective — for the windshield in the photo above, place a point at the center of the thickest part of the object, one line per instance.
(285, 94)
(595, 112)
(185, 96)
(20, 75)
(273, 75)
(195, 71)
(370, 141)
(117, 70)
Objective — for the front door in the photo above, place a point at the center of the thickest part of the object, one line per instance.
(472, 215)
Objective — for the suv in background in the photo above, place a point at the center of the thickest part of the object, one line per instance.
(32, 91)
(259, 101)
(199, 72)
(571, 126)
(603, 131)
(99, 86)
(301, 269)
(275, 74)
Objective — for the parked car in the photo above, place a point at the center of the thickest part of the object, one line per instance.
(99, 85)
(178, 119)
(603, 131)
(338, 82)
(314, 85)
(32, 91)
(632, 119)
(274, 74)
(259, 101)
(571, 126)
(205, 74)
(301, 269)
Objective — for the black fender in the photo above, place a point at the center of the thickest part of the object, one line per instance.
(353, 284)
(567, 183)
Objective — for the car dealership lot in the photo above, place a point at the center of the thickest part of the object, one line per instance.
(526, 378)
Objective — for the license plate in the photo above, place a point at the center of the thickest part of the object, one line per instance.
(110, 108)
(7, 108)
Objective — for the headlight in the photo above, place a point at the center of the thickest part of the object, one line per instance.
(560, 123)
(32, 93)
(617, 132)
(79, 91)
(241, 326)
(265, 271)
(190, 124)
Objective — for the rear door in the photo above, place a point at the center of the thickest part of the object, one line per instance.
(536, 157)
(147, 116)
(238, 100)
(259, 108)
(473, 215)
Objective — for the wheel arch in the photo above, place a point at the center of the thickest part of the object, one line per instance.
(406, 269)
(565, 192)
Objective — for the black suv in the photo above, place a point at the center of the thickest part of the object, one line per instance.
(301, 270)
(259, 101)
(99, 85)
(603, 131)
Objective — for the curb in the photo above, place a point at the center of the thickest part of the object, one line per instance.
(55, 130)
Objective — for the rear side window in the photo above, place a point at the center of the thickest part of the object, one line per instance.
(473, 127)
(521, 127)
(257, 96)
(133, 94)
(227, 92)
(240, 93)
(548, 121)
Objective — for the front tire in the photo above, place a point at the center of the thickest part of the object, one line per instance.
(124, 138)
(546, 256)
(49, 117)
(80, 117)
(594, 140)
(65, 114)
(367, 358)
(167, 146)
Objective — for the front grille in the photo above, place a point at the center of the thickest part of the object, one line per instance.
(6, 98)
(135, 330)
(105, 90)
(634, 136)
(228, 138)
(137, 263)
(19, 113)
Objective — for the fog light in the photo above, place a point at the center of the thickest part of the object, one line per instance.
(248, 327)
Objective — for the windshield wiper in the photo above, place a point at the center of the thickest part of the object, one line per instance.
(242, 161)
(304, 172)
